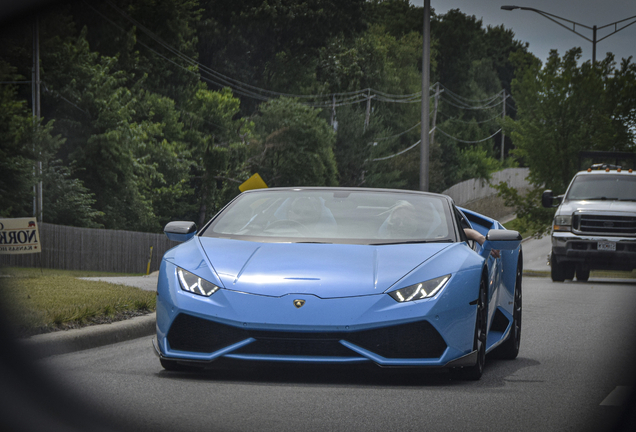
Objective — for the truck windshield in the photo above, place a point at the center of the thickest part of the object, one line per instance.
(603, 187)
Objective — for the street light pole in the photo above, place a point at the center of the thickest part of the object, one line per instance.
(594, 40)
(426, 79)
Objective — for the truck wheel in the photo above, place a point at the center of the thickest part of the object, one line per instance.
(582, 273)
(557, 271)
(568, 270)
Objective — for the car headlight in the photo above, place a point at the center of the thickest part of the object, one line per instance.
(194, 284)
(562, 223)
(420, 290)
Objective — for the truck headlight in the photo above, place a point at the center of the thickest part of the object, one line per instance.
(562, 223)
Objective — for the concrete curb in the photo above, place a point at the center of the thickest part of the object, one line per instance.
(62, 342)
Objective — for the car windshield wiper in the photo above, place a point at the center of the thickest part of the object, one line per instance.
(627, 199)
(412, 242)
(311, 242)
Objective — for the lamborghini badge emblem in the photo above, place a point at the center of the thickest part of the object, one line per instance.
(299, 303)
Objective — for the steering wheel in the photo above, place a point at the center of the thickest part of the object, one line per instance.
(288, 223)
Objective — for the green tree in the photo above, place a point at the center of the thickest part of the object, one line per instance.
(217, 140)
(24, 143)
(16, 155)
(125, 144)
(138, 33)
(564, 108)
(253, 41)
(295, 146)
(398, 17)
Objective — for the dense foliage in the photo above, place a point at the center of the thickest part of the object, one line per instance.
(564, 108)
(156, 110)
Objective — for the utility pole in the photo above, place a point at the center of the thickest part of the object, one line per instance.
(368, 116)
(35, 96)
(594, 44)
(432, 140)
(503, 117)
(426, 61)
(334, 122)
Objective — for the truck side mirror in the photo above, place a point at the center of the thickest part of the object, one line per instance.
(547, 199)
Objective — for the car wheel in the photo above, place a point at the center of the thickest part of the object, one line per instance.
(582, 273)
(473, 373)
(510, 348)
(557, 272)
(568, 271)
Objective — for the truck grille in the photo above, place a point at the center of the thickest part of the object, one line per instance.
(605, 224)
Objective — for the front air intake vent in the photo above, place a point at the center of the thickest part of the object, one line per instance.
(411, 340)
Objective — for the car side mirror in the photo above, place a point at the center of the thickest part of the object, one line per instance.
(180, 230)
(500, 240)
(548, 199)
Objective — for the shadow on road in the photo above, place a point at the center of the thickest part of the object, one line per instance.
(496, 374)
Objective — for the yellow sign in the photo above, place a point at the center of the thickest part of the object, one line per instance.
(254, 182)
(19, 236)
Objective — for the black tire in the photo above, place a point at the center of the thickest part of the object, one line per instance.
(557, 272)
(568, 271)
(582, 273)
(474, 373)
(510, 348)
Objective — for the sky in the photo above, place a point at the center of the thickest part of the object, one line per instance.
(544, 35)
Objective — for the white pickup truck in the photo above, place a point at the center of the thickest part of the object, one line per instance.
(595, 224)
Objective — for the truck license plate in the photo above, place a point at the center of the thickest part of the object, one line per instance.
(606, 246)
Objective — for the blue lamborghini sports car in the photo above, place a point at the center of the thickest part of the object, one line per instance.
(338, 275)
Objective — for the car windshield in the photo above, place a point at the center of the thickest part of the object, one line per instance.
(335, 216)
(603, 187)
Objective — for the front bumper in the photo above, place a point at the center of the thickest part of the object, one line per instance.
(436, 332)
(582, 249)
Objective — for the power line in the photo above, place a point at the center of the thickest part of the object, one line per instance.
(468, 142)
(455, 119)
(47, 90)
(319, 100)
(252, 90)
(456, 96)
(443, 133)
(397, 154)
(399, 134)
(468, 107)
(249, 90)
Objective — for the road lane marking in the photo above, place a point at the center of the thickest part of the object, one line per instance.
(618, 396)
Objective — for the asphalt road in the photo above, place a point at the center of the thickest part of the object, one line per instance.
(574, 369)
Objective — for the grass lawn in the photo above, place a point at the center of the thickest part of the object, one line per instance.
(39, 301)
